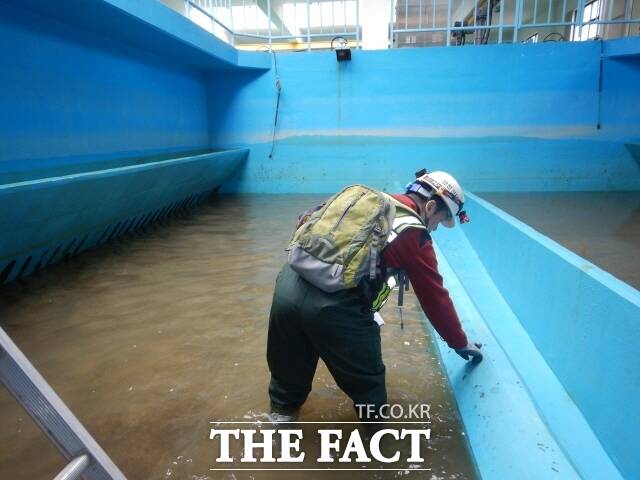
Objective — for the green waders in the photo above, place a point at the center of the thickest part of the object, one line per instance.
(307, 323)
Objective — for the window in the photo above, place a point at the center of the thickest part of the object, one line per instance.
(589, 28)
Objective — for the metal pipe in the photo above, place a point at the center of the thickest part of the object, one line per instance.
(215, 20)
(535, 11)
(269, 20)
(244, 15)
(628, 10)
(392, 27)
(517, 19)
(464, 9)
(74, 468)
(201, 9)
(308, 26)
(475, 13)
(344, 15)
(213, 25)
(568, 24)
(552, 24)
(580, 15)
(433, 14)
(444, 29)
(453, 29)
(285, 37)
(357, 23)
(616, 22)
(209, 7)
(222, 25)
(233, 35)
(333, 18)
(612, 4)
(628, 6)
(224, 12)
(500, 30)
(449, 22)
(255, 4)
(406, 13)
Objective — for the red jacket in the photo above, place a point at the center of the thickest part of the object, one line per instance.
(419, 262)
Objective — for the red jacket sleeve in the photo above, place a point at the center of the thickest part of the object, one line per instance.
(418, 260)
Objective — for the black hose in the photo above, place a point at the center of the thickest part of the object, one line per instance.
(547, 39)
(275, 121)
(278, 90)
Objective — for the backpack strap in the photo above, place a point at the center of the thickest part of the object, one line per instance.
(404, 218)
(373, 258)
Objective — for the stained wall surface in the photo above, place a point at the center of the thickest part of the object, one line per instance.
(502, 117)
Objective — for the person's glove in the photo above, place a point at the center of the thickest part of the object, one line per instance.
(471, 352)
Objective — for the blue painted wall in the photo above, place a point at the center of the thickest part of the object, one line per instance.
(507, 117)
(584, 322)
(68, 95)
(620, 101)
(99, 137)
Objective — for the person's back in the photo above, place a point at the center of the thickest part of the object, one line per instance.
(308, 322)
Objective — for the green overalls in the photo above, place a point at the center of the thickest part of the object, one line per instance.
(306, 323)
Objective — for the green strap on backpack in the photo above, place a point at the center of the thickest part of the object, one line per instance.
(342, 242)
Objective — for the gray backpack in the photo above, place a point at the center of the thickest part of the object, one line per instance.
(341, 243)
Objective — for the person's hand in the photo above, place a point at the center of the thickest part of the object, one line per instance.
(471, 352)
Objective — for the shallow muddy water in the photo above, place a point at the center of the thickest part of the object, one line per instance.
(603, 227)
(151, 338)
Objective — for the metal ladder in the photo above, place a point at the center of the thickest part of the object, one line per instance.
(85, 456)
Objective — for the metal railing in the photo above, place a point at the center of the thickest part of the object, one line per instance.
(460, 22)
(278, 24)
(297, 24)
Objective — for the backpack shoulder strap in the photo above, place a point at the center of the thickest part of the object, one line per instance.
(405, 217)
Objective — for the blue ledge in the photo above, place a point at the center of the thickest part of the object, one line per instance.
(554, 396)
(84, 209)
(622, 48)
(150, 26)
(521, 423)
(506, 434)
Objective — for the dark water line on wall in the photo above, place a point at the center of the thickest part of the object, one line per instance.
(600, 72)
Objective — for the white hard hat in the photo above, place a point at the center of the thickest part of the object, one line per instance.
(447, 188)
